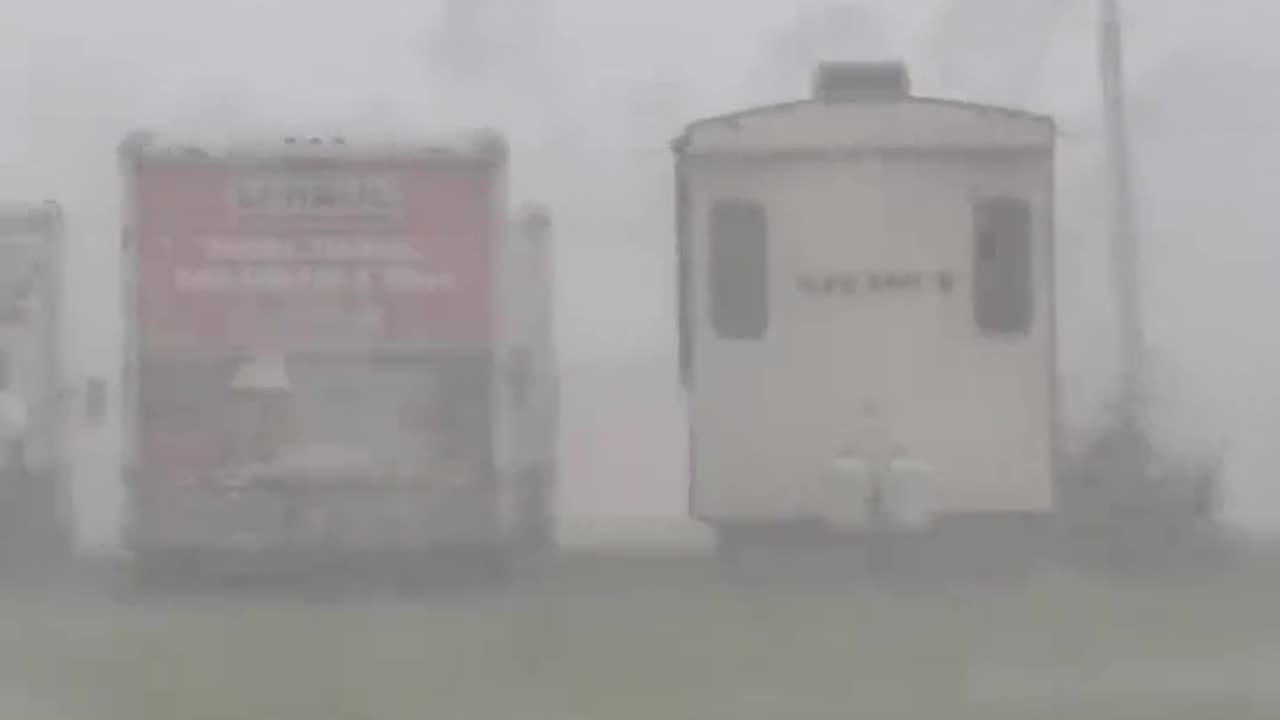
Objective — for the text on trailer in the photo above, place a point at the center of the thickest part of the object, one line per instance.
(843, 284)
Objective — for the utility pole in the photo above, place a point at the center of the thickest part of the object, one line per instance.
(1123, 218)
(1165, 498)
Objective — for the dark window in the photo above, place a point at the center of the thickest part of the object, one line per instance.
(1003, 297)
(739, 269)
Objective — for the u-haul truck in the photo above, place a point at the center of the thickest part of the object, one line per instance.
(335, 350)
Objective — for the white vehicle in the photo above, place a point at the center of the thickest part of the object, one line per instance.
(32, 379)
(867, 310)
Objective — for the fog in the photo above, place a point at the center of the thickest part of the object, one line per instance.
(591, 91)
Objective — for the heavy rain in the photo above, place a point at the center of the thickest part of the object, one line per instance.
(605, 359)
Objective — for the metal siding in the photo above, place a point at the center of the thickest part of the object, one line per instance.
(770, 415)
(443, 505)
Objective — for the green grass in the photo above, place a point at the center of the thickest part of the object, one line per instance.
(708, 653)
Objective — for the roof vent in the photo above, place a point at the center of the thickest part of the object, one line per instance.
(861, 81)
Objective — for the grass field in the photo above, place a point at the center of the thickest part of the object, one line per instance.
(699, 650)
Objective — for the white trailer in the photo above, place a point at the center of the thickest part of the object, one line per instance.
(867, 310)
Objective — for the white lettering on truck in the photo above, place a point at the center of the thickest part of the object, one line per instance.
(213, 279)
(337, 249)
(309, 265)
(316, 194)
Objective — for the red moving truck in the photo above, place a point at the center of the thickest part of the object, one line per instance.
(334, 351)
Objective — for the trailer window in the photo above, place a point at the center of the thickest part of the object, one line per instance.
(1003, 298)
(739, 269)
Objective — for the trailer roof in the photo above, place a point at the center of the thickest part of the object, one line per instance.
(773, 108)
(890, 122)
(475, 144)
